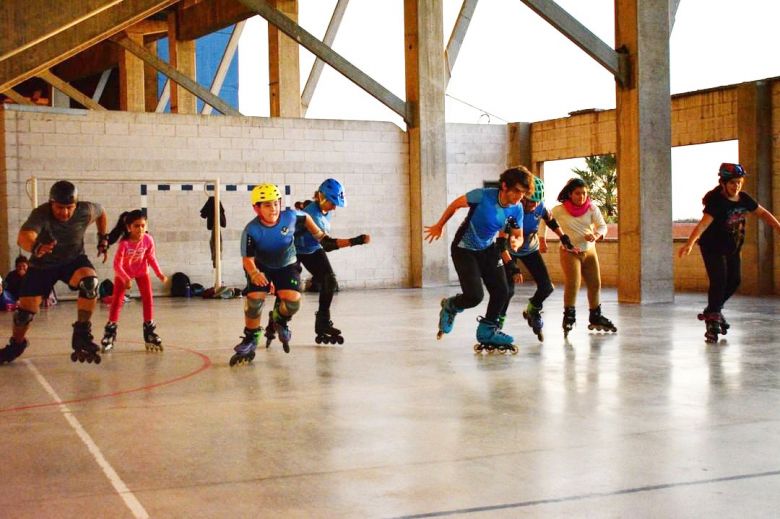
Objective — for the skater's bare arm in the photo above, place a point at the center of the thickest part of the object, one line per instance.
(768, 218)
(255, 276)
(705, 222)
(434, 231)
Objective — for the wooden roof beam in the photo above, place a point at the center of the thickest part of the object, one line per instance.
(209, 16)
(69, 90)
(46, 53)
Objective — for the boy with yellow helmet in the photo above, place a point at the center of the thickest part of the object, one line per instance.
(269, 258)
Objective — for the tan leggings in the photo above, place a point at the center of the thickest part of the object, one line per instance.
(575, 268)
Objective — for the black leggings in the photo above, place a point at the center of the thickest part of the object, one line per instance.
(536, 266)
(318, 264)
(725, 274)
(473, 268)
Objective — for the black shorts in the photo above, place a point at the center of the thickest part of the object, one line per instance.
(39, 282)
(285, 278)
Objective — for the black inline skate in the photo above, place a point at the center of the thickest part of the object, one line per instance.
(245, 350)
(533, 315)
(599, 322)
(569, 318)
(324, 329)
(491, 338)
(724, 326)
(12, 350)
(713, 322)
(109, 337)
(152, 341)
(83, 347)
(282, 330)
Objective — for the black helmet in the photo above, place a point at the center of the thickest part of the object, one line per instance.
(63, 192)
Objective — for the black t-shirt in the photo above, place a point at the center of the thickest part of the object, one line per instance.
(726, 233)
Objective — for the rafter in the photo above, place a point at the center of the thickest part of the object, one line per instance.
(316, 68)
(69, 90)
(58, 47)
(224, 64)
(175, 75)
(458, 34)
(329, 56)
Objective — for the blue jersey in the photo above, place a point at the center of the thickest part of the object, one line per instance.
(305, 242)
(486, 217)
(273, 246)
(531, 230)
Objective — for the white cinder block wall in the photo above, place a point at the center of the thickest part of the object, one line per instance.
(370, 158)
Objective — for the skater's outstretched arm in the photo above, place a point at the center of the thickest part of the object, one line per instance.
(434, 231)
(705, 222)
(768, 218)
(328, 243)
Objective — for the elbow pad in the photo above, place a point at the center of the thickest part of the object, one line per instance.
(553, 224)
(566, 241)
(358, 240)
(328, 243)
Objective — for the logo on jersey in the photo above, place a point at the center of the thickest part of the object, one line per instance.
(285, 231)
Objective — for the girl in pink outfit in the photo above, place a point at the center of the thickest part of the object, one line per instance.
(134, 255)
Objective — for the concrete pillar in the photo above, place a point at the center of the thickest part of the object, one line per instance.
(284, 74)
(131, 78)
(182, 57)
(645, 251)
(518, 149)
(754, 132)
(425, 85)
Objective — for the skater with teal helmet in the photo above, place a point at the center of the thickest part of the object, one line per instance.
(476, 253)
(721, 234)
(529, 252)
(311, 255)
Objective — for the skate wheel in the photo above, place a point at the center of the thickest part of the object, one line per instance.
(251, 356)
(318, 339)
(286, 348)
(73, 357)
(541, 336)
(97, 359)
(514, 349)
(439, 335)
(340, 339)
(233, 360)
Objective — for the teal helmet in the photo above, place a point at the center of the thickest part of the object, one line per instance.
(538, 194)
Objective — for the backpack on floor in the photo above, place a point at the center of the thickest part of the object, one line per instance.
(180, 285)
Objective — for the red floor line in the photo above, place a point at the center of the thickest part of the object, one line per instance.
(206, 365)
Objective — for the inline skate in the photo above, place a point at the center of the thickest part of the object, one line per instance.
(713, 322)
(324, 329)
(245, 350)
(533, 315)
(12, 350)
(569, 318)
(152, 341)
(109, 337)
(598, 322)
(447, 317)
(491, 338)
(83, 347)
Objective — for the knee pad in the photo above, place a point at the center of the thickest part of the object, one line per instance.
(88, 287)
(253, 307)
(291, 307)
(329, 283)
(22, 317)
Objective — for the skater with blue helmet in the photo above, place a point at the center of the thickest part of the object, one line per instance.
(529, 251)
(311, 255)
(721, 234)
(476, 253)
(268, 256)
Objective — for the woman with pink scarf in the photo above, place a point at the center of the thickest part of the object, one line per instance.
(583, 222)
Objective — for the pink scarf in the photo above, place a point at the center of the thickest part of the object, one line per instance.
(577, 210)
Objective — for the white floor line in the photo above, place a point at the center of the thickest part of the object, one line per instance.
(132, 503)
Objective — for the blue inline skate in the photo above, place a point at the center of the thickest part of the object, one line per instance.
(447, 317)
(533, 315)
(491, 338)
(245, 350)
(281, 329)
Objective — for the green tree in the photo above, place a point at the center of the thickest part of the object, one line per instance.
(601, 177)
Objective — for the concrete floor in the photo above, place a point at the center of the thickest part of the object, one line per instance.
(651, 422)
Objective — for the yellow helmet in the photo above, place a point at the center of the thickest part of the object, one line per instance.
(265, 193)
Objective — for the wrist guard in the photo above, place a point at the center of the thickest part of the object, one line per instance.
(328, 243)
(501, 243)
(102, 245)
(566, 242)
(511, 223)
(357, 240)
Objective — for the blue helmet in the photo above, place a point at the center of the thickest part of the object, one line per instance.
(727, 171)
(333, 192)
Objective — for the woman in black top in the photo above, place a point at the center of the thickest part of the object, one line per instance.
(721, 233)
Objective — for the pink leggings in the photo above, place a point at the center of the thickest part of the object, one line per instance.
(144, 286)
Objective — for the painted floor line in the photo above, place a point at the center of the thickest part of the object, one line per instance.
(648, 488)
(129, 498)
